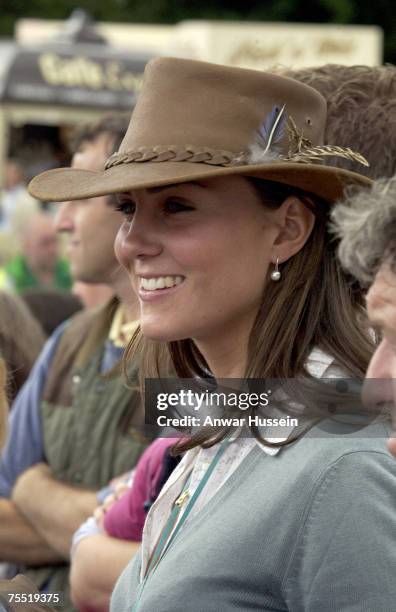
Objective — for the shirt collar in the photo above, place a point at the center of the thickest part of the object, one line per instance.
(121, 332)
(319, 365)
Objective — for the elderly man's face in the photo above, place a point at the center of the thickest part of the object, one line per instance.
(381, 308)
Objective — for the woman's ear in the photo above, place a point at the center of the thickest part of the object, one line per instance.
(295, 222)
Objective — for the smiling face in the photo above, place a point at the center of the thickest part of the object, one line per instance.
(198, 256)
(380, 384)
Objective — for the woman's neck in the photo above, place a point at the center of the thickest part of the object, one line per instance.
(225, 355)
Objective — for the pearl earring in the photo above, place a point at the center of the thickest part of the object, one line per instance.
(275, 274)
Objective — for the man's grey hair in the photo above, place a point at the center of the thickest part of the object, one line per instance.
(365, 222)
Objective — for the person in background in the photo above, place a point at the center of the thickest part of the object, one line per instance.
(14, 189)
(19, 585)
(366, 224)
(113, 535)
(361, 102)
(91, 294)
(361, 110)
(75, 425)
(50, 306)
(21, 340)
(38, 264)
(3, 398)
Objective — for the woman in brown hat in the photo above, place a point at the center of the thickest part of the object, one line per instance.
(225, 199)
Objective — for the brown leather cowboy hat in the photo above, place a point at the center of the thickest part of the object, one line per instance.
(195, 120)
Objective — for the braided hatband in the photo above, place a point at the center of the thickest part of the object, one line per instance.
(304, 153)
(175, 153)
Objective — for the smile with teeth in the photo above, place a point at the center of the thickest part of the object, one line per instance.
(160, 282)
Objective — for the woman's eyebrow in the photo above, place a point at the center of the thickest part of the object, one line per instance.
(120, 195)
(115, 198)
(172, 186)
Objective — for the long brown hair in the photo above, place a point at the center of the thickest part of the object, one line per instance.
(21, 340)
(3, 402)
(315, 305)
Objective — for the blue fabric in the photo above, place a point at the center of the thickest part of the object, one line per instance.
(87, 529)
(24, 445)
(111, 355)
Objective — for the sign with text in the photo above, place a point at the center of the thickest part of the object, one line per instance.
(74, 78)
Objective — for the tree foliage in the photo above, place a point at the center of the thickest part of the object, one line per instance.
(359, 12)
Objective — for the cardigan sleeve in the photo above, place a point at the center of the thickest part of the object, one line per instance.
(344, 559)
(126, 590)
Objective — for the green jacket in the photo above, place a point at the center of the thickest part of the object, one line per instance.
(18, 276)
(92, 423)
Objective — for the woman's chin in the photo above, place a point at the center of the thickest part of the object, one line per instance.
(161, 332)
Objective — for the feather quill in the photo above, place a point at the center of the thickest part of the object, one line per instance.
(272, 129)
(270, 132)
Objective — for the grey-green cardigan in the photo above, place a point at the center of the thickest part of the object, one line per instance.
(312, 529)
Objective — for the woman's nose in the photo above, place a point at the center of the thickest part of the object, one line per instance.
(138, 239)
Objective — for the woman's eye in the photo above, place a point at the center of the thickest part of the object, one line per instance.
(126, 208)
(174, 206)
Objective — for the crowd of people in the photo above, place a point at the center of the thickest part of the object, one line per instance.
(241, 227)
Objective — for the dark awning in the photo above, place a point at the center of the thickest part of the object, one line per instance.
(72, 72)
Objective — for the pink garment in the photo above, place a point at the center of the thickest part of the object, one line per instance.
(125, 518)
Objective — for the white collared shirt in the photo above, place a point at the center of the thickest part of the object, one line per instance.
(197, 460)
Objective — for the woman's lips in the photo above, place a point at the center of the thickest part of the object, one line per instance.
(153, 288)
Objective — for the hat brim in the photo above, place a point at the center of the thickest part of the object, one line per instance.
(63, 184)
